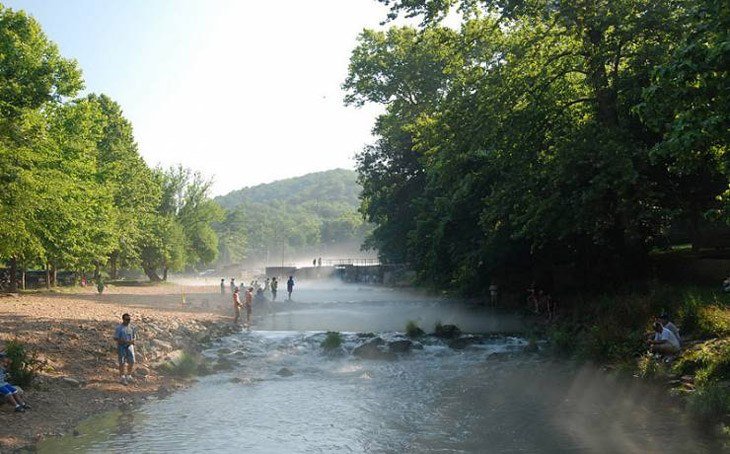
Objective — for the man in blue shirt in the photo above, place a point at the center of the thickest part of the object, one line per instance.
(125, 335)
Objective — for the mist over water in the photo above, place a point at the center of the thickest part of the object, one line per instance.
(487, 397)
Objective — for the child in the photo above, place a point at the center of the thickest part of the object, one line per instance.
(10, 393)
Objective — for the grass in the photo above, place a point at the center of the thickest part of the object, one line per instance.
(332, 341)
(185, 366)
(413, 330)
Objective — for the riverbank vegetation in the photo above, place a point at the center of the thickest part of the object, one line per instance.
(547, 141)
(562, 147)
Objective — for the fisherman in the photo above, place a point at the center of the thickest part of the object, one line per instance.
(125, 334)
(290, 286)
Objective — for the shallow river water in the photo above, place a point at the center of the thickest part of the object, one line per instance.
(486, 398)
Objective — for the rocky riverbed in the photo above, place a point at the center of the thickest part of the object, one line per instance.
(72, 335)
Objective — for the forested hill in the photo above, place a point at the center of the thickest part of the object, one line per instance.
(315, 213)
(338, 185)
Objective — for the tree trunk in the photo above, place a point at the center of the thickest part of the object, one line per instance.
(151, 274)
(48, 276)
(164, 274)
(54, 276)
(13, 274)
(97, 271)
(113, 265)
(22, 278)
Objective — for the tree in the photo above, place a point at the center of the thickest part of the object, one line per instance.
(529, 155)
(32, 75)
(124, 173)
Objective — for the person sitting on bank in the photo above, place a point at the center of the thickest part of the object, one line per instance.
(664, 342)
(9, 391)
(664, 320)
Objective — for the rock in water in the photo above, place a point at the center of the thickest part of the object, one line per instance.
(284, 372)
(372, 349)
(400, 346)
(447, 331)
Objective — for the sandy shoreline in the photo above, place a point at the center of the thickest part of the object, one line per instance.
(72, 332)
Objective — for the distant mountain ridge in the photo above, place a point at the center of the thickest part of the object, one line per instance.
(338, 185)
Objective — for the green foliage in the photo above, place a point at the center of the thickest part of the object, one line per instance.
(413, 330)
(290, 216)
(332, 341)
(571, 139)
(563, 341)
(709, 361)
(185, 366)
(24, 365)
(649, 367)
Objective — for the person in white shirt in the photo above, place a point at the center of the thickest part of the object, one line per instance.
(664, 319)
(664, 342)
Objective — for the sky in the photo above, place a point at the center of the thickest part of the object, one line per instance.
(245, 92)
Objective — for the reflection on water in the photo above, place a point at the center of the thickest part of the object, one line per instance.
(486, 398)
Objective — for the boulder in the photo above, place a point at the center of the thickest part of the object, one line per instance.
(284, 372)
(373, 349)
(400, 346)
(447, 331)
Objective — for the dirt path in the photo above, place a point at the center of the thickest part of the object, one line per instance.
(72, 333)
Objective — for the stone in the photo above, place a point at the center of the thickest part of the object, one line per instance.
(372, 350)
(284, 372)
(447, 331)
(224, 351)
(400, 346)
(141, 371)
(71, 381)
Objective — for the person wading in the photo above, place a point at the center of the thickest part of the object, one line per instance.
(248, 304)
(236, 306)
(290, 286)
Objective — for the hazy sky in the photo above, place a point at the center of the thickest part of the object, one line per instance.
(246, 92)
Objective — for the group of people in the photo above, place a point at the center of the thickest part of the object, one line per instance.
(271, 285)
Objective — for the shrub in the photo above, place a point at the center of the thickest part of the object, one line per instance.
(332, 341)
(413, 330)
(24, 365)
(648, 366)
(185, 366)
(562, 341)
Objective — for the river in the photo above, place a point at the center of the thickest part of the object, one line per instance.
(285, 395)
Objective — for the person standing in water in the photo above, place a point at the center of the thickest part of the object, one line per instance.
(233, 284)
(236, 306)
(248, 304)
(274, 287)
(290, 286)
(223, 286)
